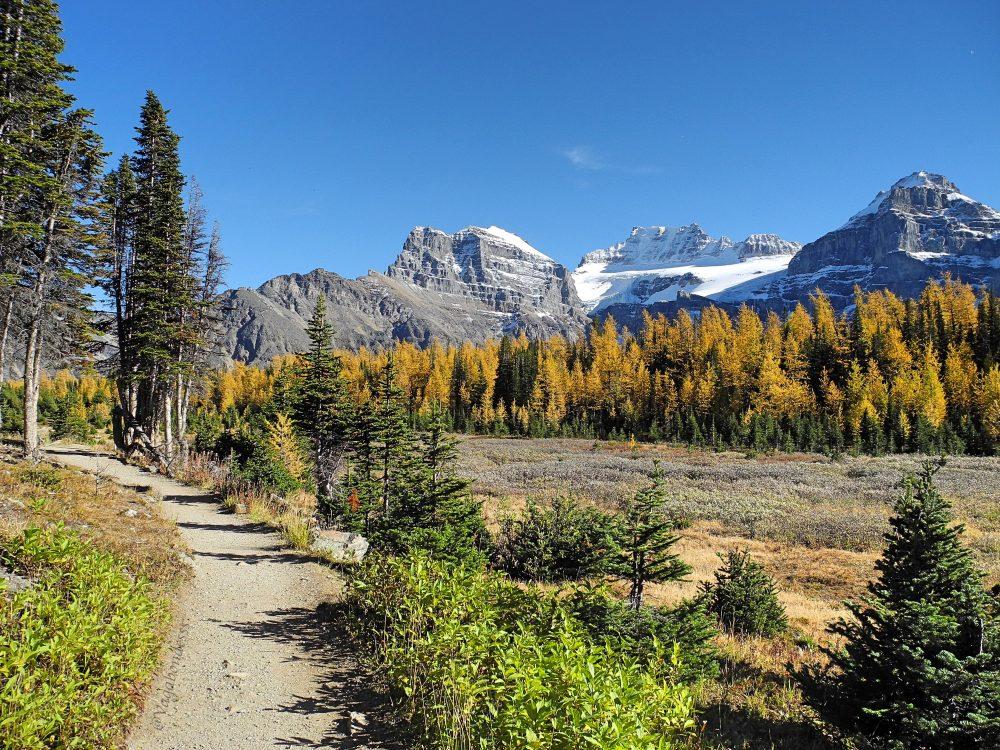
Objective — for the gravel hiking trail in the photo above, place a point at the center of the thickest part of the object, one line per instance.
(254, 660)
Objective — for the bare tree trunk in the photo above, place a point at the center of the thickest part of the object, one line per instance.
(168, 426)
(183, 404)
(4, 332)
(32, 367)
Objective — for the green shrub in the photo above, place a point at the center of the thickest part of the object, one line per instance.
(264, 471)
(918, 663)
(11, 408)
(564, 542)
(74, 646)
(484, 664)
(41, 476)
(69, 420)
(637, 632)
(744, 597)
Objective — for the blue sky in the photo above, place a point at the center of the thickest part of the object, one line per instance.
(322, 131)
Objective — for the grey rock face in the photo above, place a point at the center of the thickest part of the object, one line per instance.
(654, 265)
(762, 245)
(470, 285)
(919, 229)
(485, 282)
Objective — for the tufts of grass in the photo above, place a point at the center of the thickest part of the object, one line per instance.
(291, 515)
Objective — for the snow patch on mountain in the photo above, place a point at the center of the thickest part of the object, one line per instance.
(511, 239)
(655, 264)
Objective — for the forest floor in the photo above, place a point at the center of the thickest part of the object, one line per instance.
(253, 660)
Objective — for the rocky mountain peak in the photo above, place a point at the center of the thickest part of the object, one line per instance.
(763, 245)
(476, 283)
(921, 194)
(658, 264)
(656, 246)
(919, 228)
(489, 264)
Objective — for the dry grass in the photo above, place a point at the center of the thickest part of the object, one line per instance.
(120, 520)
(293, 515)
(819, 521)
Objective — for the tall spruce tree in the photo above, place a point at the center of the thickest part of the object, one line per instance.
(58, 264)
(646, 536)
(385, 466)
(322, 410)
(162, 273)
(49, 158)
(920, 664)
(116, 262)
(162, 289)
(395, 447)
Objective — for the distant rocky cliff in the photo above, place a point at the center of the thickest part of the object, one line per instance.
(469, 285)
(919, 229)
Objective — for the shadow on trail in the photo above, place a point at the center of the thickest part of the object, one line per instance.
(252, 558)
(237, 527)
(344, 689)
(192, 499)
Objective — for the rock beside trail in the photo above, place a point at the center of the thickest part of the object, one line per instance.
(342, 546)
(14, 582)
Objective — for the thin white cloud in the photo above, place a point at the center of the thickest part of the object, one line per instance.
(582, 157)
(585, 159)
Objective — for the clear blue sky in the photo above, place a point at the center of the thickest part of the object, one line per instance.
(322, 131)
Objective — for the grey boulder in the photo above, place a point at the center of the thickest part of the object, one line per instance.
(342, 546)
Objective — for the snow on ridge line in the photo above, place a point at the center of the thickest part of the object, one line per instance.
(511, 239)
(919, 179)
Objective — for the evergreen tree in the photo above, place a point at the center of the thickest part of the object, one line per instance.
(744, 598)
(646, 536)
(49, 159)
(57, 262)
(162, 288)
(384, 461)
(322, 410)
(162, 280)
(440, 509)
(920, 665)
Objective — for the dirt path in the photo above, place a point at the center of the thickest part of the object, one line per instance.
(253, 661)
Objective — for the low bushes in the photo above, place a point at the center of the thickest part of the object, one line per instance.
(639, 632)
(485, 664)
(74, 646)
(566, 541)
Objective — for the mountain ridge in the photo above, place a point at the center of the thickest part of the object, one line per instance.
(467, 285)
(481, 282)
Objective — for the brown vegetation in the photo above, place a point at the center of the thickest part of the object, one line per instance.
(122, 521)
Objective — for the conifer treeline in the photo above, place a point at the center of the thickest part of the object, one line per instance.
(889, 375)
(66, 227)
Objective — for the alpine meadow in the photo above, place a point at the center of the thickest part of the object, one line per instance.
(675, 491)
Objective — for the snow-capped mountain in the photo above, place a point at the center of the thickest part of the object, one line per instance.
(656, 264)
(489, 265)
(922, 227)
(470, 285)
